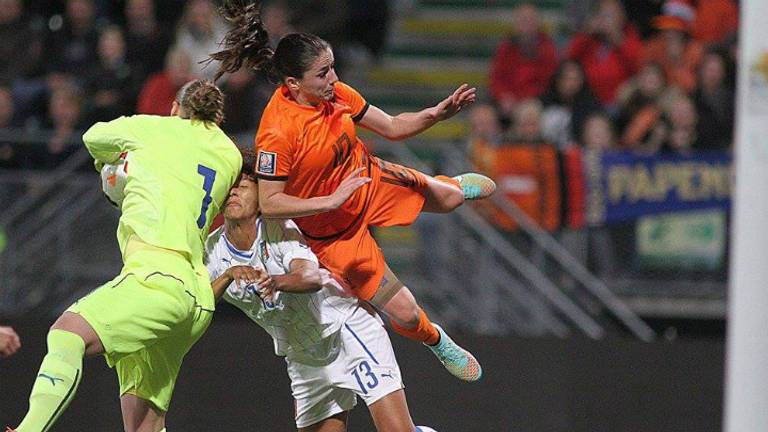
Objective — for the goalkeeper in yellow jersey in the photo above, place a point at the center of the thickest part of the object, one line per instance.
(147, 318)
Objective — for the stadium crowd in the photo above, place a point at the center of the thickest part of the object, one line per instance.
(67, 64)
(648, 78)
(635, 75)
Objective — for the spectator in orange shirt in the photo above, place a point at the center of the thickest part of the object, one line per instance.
(673, 48)
(609, 50)
(523, 63)
(526, 169)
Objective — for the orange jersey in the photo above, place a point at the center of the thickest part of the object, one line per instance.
(312, 149)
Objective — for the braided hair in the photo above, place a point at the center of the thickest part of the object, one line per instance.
(201, 100)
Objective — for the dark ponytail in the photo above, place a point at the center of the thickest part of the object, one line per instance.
(201, 100)
(247, 44)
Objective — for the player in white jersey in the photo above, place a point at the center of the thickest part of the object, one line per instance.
(336, 348)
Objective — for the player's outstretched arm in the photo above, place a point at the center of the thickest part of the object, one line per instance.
(409, 124)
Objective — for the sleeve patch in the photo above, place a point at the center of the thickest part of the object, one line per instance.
(267, 162)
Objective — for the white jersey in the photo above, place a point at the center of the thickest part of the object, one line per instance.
(305, 327)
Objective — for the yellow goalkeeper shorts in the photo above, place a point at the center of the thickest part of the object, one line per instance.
(148, 318)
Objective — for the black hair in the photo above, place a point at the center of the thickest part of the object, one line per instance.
(249, 163)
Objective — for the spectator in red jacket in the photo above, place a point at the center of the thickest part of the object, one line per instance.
(524, 63)
(160, 89)
(609, 50)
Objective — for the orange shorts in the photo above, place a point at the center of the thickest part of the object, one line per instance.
(354, 255)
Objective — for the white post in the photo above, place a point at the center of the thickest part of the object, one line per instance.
(746, 387)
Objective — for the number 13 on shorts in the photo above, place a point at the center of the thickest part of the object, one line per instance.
(365, 377)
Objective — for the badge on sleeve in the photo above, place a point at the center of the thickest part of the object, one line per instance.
(267, 162)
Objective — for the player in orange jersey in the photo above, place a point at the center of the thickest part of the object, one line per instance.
(312, 167)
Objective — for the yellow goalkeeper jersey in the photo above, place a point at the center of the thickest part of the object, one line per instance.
(181, 174)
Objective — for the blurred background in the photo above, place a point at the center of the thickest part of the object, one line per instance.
(592, 286)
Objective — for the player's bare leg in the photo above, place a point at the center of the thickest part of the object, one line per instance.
(69, 340)
(443, 194)
(335, 423)
(398, 302)
(409, 320)
(390, 413)
(140, 415)
(74, 323)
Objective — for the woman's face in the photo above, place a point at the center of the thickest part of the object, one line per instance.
(598, 134)
(526, 20)
(712, 71)
(243, 200)
(528, 125)
(650, 81)
(682, 113)
(681, 139)
(200, 16)
(111, 45)
(674, 40)
(570, 81)
(64, 110)
(10, 10)
(137, 10)
(80, 12)
(484, 122)
(316, 86)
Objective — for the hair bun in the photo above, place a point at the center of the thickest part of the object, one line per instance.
(202, 100)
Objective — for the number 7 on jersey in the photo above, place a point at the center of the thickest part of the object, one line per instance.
(209, 175)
